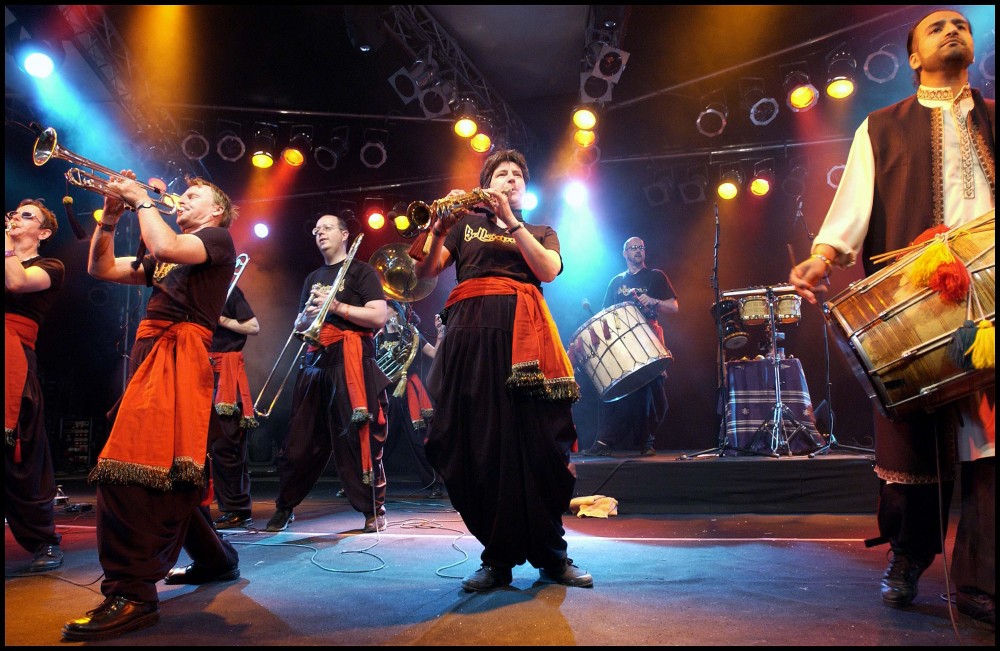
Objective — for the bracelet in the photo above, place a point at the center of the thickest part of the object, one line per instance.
(437, 233)
(148, 204)
(348, 312)
(510, 231)
(820, 256)
(8, 254)
(108, 228)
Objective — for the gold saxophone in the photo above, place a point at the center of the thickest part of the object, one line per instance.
(420, 216)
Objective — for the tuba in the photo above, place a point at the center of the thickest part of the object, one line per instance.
(395, 357)
(395, 269)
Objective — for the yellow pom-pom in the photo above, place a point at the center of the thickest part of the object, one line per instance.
(983, 349)
(933, 256)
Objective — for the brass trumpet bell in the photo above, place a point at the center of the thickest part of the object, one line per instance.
(395, 269)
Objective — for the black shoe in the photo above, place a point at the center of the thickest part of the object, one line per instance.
(598, 449)
(648, 452)
(233, 520)
(899, 583)
(568, 574)
(49, 557)
(340, 493)
(977, 605)
(196, 575)
(487, 577)
(279, 521)
(436, 492)
(115, 616)
(374, 523)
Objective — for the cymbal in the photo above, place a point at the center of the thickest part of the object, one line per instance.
(396, 272)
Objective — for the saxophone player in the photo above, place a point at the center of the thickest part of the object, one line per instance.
(339, 401)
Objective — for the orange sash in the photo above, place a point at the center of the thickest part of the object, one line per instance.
(354, 372)
(161, 433)
(232, 372)
(418, 402)
(540, 366)
(19, 331)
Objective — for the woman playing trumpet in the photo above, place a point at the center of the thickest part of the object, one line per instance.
(31, 286)
(501, 382)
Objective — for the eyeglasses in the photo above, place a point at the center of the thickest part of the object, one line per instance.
(325, 229)
(636, 247)
(13, 214)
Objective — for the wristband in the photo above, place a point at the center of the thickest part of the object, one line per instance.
(108, 228)
(510, 231)
(437, 233)
(8, 254)
(820, 256)
(347, 313)
(148, 204)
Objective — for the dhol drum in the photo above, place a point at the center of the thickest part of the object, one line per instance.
(727, 318)
(619, 351)
(754, 310)
(895, 335)
(788, 308)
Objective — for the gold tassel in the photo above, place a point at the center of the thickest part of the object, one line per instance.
(936, 254)
(983, 349)
(400, 390)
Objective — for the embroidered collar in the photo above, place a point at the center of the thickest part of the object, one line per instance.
(943, 94)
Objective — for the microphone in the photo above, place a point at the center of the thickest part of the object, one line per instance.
(74, 223)
(798, 205)
(140, 253)
(586, 305)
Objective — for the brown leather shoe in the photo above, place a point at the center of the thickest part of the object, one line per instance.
(196, 575)
(115, 616)
(899, 583)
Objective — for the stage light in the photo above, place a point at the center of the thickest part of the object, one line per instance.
(482, 141)
(373, 152)
(763, 178)
(584, 138)
(794, 184)
(299, 145)
(195, 145)
(366, 27)
(465, 117)
(882, 64)
(762, 108)
(800, 94)
(585, 116)
(374, 213)
(711, 121)
(328, 155)
(39, 57)
(230, 146)
(730, 182)
(840, 82)
(662, 190)
(594, 89)
(585, 157)
(610, 64)
(397, 215)
(263, 145)
(834, 174)
(409, 83)
(692, 188)
(436, 100)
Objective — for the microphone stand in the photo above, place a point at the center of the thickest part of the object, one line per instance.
(722, 388)
(831, 437)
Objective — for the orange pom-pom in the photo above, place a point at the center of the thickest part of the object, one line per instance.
(951, 281)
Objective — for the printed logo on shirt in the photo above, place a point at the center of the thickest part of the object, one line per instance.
(483, 235)
(162, 269)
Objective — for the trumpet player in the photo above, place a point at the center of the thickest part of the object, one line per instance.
(339, 402)
(502, 384)
(32, 283)
(151, 474)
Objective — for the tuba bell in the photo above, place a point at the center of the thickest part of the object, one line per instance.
(396, 272)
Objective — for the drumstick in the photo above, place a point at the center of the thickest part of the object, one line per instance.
(791, 253)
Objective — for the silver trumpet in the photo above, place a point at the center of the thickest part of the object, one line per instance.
(47, 147)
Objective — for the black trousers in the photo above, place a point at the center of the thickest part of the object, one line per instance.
(227, 443)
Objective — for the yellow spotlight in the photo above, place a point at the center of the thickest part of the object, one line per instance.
(98, 214)
(763, 178)
(584, 117)
(465, 121)
(584, 138)
(801, 95)
(729, 184)
(840, 75)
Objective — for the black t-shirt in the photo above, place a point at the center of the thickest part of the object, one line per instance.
(361, 285)
(481, 248)
(652, 282)
(225, 340)
(193, 292)
(36, 305)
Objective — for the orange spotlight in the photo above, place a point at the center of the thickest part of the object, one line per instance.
(800, 94)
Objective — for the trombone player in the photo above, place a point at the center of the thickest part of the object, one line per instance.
(339, 402)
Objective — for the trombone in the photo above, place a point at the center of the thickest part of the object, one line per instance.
(242, 260)
(308, 336)
(47, 147)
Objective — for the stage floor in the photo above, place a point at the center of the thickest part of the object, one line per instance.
(663, 575)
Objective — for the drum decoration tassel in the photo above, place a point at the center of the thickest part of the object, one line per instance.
(951, 281)
(933, 256)
(974, 346)
(983, 349)
(961, 343)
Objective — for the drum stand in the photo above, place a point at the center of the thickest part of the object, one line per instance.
(780, 413)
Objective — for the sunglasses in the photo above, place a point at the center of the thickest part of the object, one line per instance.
(636, 247)
(13, 214)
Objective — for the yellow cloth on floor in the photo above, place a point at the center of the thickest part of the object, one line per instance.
(594, 506)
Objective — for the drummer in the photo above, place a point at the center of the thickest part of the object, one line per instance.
(638, 415)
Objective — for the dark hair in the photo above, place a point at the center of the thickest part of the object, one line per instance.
(48, 217)
(230, 211)
(491, 164)
(912, 34)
